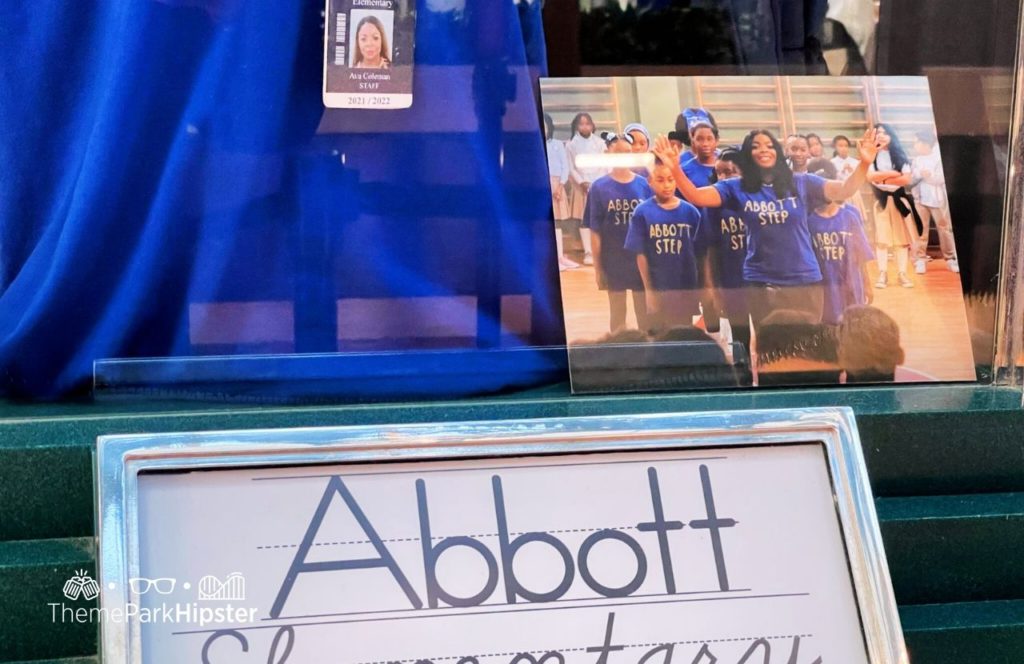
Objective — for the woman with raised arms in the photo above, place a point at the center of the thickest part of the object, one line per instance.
(774, 202)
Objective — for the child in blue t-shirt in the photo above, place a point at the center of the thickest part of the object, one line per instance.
(701, 137)
(661, 235)
(699, 133)
(843, 250)
(722, 248)
(610, 205)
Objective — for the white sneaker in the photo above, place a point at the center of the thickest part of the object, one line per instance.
(883, 280)
(919, 266)
(566, 264)
(952, 265)
(904, 280)
(588, 259)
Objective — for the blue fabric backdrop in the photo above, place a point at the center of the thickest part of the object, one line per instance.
(157, 155)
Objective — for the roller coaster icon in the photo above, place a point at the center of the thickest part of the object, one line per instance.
(231, 589)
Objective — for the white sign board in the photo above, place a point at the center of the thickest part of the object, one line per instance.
(669, 541)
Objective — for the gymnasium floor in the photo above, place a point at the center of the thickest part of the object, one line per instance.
(931, 316)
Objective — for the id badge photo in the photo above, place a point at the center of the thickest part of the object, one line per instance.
(368, 53)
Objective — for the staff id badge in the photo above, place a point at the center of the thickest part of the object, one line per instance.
(368, 53)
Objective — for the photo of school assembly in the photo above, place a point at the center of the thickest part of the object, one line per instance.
(722, 231)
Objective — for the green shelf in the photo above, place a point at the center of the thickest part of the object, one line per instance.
(946, 464)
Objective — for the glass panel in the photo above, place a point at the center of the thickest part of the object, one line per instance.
(176, 198)
(965, 54)
(177, 202)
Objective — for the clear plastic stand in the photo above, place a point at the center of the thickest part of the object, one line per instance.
(321, 377)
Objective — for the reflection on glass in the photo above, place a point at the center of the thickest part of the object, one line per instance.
(965, 51)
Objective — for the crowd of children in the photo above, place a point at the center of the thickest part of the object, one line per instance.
(743, 233)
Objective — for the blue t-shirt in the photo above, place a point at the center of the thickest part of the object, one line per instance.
(779, 249)
(666, 237)
(842, 248)
(610, 205)
(699, 174)
(686, 156)
(723, 236)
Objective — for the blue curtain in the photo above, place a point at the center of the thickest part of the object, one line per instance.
(161, 157)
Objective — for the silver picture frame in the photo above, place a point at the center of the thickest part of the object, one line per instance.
(121, 459)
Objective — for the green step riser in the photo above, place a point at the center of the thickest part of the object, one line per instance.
(932, 560)
(965, 559)
(917, 442)
(991, 646)
(952, 645)
(46, 469)
(28, 631)
(1003, 645)
(956, 560)
(73, 660)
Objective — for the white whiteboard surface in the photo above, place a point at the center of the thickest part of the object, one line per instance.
(746, 562)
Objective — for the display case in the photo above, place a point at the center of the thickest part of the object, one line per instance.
(190, 241)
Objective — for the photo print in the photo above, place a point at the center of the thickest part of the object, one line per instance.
(753, 231)
(371, 34)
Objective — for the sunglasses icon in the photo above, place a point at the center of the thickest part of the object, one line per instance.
(142, 585)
